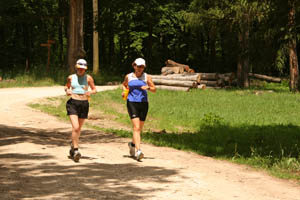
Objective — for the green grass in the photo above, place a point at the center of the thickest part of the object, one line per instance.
(37, 78)
(257, 128)
(27, 81)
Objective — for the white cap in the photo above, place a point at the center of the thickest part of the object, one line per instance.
(81, 63)
(140, 61)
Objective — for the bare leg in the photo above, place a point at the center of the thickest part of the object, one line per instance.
(137, 129)
(76, 128)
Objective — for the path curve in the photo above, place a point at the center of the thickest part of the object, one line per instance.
(34, 163)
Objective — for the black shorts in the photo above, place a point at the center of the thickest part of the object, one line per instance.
(137, 110)
(78, 107)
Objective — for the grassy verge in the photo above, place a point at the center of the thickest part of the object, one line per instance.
(260, 128)
(38, 78)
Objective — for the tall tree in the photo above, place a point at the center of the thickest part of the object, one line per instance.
(293, 59)
(95, 38)
(240, 15)
(75, 47)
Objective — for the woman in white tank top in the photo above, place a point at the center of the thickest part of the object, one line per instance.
(78, 105)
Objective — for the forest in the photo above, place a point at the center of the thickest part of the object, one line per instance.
(241, 36)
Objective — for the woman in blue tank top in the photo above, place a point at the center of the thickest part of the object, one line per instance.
(138, 83)
(78, 105)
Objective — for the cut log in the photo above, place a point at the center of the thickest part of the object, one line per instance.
(192, 84)
(174, 67)
(171, 63)
(183, 74)
(265, 78)
(202, 86)
(209, 76)
(166, 87)
(195, 77)
(171, 70)
(209, 83)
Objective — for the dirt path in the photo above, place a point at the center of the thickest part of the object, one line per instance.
(34, 163)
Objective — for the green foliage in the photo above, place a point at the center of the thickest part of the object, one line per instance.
(33, 78)
(200, 33)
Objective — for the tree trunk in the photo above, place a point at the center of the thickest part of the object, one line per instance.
(60, 39)
(212, 53)
(150, 38)
(95, 38)
(61, 30)
(75, 47)
(243, 59)
(293, 60)
(111, 43)
(27, 40)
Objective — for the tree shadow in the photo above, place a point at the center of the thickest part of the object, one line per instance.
(53, 136)
(22, 177)
(276, 141)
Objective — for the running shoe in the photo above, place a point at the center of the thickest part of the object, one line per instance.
(139, 155)
(71, 153)
(131, 149)
(71, 150)
(76, 156)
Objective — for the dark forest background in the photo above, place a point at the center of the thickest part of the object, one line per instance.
(209, 36)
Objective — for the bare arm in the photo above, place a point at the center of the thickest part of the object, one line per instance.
(125, 85)
(92, 85)
(68, 86)
(150, 85)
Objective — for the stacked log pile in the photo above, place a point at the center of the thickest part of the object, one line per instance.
(187, 81)
(176, 81)
(176, 76)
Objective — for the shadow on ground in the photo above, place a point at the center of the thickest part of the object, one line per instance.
(21, 176)
(275, 141)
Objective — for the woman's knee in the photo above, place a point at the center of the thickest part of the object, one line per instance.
(76, 129)
(136, 127)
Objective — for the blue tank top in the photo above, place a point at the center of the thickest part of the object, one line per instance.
(79, 84)
(136, 94)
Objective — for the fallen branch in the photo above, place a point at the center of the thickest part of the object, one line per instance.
(265, 78)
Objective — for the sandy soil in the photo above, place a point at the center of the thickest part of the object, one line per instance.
(35, 165)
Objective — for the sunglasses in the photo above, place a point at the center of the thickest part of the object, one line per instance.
(83, 64)
(140, 66)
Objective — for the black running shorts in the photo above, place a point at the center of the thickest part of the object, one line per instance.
(78, 107)
(137, 110)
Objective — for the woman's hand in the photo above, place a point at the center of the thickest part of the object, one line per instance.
(68, 92)
(88, 93)
(145, 87)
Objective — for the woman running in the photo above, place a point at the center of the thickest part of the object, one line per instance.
(78, 105)
(137, 82)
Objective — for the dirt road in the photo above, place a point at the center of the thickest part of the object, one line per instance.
(35, 165)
